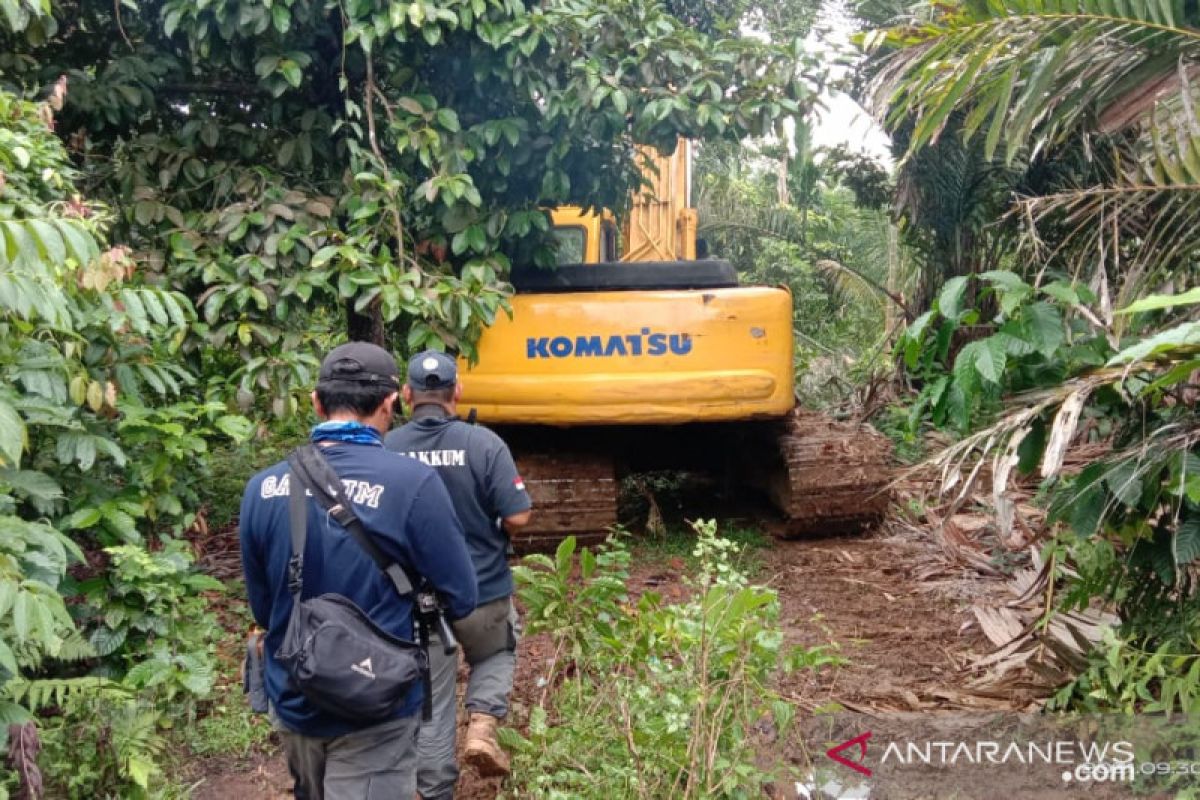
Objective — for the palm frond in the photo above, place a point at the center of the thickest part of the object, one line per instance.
(1141, 226)
(960, 465)
(855, 285)
(726, 210)
(1032, 72)
(723, 212)
(1038, 75)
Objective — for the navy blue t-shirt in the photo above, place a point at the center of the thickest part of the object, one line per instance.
(482, 479)
(404, 507)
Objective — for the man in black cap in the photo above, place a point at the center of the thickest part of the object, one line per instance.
(407, 512)
(491, 502)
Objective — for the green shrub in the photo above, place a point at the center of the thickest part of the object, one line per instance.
(151, 620)
(646, 698)
(229, 729)
(103, 744)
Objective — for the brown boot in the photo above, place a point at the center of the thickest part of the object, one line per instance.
(483, 751)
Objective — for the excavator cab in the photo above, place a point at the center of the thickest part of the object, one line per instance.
(584, 237)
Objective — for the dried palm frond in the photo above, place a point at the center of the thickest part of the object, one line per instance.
(1142, 226)
(1030, 640)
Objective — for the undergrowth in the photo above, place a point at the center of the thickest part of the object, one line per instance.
(648, 698)
(678, 545)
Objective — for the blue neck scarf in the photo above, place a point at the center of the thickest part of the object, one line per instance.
(349, 432)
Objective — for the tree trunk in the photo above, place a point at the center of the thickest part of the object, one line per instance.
(893, 276)
(365, 325)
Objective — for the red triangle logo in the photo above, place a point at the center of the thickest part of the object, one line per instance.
(861, 740)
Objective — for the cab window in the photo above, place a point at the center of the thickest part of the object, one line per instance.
(571, 244)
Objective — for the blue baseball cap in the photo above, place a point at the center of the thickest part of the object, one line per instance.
(431, 370)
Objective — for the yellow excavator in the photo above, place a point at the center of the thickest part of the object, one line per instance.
(633, 355)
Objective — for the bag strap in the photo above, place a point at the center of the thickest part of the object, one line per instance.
(298, 523)
(312, 472)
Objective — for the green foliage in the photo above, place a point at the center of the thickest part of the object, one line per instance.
(574, 612)
(232, 464)
(88, 358)
(680, 542)
(34, 622)
(966, 369)
(103, 744)
(646, 698)
(298, 166)
(834, 253)
(1076, 126)
(1033, 71)
(230, 729)
(92, 399)
(151, 620)
(1084, 110)
(1121, 676)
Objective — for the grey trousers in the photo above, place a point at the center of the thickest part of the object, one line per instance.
(375, 763)
(487, 693)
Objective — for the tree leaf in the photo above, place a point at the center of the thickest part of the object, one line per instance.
(7, 661)
(1062, 292)
(1186, 543)
(1010, 288)
(37, 486)
(80, 243)
(291, 72)
(49, 240)
(986, 356)
(144, 211)
(13, 436)
(82, 518)
(1043, 325)
(448, 120)
(235, 427)
(107, 640)
(1156, 301)
(563, 554)
(1184, 335)
(951, 297)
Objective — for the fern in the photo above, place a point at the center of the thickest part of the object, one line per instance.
(138, 743)
(75, 648)
(37, 695)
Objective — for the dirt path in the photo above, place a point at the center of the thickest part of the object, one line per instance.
(905, 638)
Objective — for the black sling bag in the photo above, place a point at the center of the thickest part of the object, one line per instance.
(336, 656)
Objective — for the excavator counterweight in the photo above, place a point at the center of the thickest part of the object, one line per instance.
(626, 357)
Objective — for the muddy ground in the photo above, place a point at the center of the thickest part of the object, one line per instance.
(890, 602)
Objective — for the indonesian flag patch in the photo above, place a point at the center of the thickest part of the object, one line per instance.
(519, 484)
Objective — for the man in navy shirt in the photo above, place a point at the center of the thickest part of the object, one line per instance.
(490, 499)
(406, 510)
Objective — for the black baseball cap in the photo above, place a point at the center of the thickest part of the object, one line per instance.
(360, 362)
(431, 370)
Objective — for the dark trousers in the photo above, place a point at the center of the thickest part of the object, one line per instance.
(375, 763)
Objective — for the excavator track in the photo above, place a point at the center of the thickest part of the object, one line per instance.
(574, 494)
(835, 475)
(826, 477)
